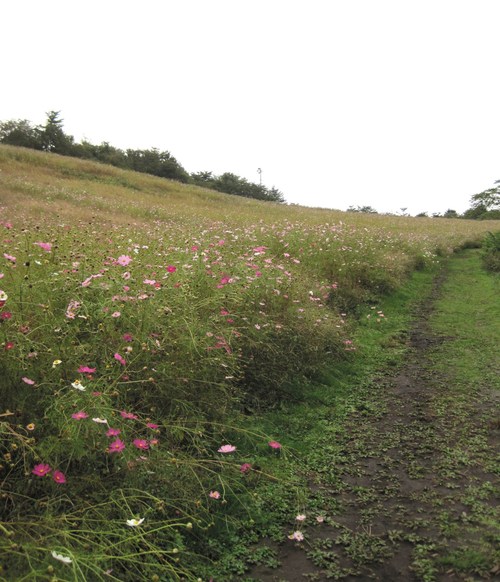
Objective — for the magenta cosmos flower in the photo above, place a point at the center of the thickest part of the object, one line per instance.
(86, 370)
(41, 470)
(141, 444)
(45, 246)
(128, 415)
(79, 415)
(113, 432)
(226, 449)
(120, 359)
(274, 444)
(245, 467)
(59, 477)
(116, 446)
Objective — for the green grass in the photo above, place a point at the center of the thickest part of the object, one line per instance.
(470, 314)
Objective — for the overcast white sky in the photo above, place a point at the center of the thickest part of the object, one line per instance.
(387, 103)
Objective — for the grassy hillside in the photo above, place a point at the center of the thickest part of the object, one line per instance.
(139, 318)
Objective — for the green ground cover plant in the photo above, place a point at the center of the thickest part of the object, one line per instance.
(145, 325)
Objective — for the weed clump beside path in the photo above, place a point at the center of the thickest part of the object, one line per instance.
(143, 337)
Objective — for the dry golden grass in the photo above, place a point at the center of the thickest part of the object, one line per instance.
(36, 183)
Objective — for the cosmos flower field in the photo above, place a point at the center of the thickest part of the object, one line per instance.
(140, 319)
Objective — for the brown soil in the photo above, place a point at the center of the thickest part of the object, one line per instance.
(401, 481)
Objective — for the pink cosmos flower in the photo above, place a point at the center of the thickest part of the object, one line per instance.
(120, 359)
(298, 536)
(152, 425)
(86, 370)
(10, 258)
(6, 315)
(59, 477)
(149, 281)
(127, 337)
(226, 449)
(72, 308)
(214, 494)
(79, 415)
(123, 260)
(141, 444)
(116, 446)
(113, 432)
(45, 246)
(245, 467)
(300, 517)
(171, 269)
(41, 470)
(27, 381)
(128, 415)
(274, 444)
(116, 314)
(154, 442)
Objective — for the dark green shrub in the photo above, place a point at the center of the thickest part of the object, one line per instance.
(491, 252)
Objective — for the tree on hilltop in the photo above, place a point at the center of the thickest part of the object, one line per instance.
(485, 205)
(363, 209)
(52, 137)
(20, 132)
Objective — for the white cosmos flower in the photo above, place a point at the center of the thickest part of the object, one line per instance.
(61, 558)
(134, 522)
(78, 385)
(298, 536)
(100, 420)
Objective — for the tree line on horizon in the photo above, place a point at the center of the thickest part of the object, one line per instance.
(50, 137)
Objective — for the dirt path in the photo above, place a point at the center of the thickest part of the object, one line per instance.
(415, 495)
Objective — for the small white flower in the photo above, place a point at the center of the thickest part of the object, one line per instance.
(298, 536)
(100, 420)
(300, 517)
(134, 522)
(78, 385)
(61, 558)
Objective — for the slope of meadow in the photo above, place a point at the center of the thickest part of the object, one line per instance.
(139, 318)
